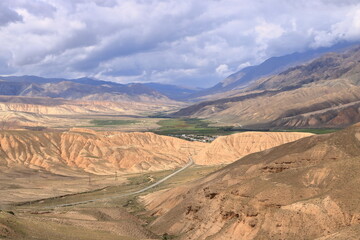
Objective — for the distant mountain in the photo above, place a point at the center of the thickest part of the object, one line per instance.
(246, 76)
(78, 89)
(172, 91)
(322, 93)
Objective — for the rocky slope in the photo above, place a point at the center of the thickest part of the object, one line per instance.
(227, 149)
(306, 189)
(322, 93)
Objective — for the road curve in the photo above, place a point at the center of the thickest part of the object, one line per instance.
(191, 162)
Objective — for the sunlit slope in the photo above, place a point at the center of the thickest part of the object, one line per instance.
(90, 151)
(306, 189)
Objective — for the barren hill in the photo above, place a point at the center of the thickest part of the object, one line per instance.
(306, 189)
(49, 112)
(90, 151)
(227, 149)
(57, 106)
(105, 152)
(322, 93)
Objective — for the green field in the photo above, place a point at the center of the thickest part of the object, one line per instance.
(112, 122)
(189, 126)
(195, 126)
(315, 130)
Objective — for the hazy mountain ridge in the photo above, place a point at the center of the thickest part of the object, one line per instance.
(271, 66)
(88, 89)
(315, 94)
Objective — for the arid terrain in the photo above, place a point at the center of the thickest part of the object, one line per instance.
(55, 166)
(307, 189)
(88, 166)
(179, 120)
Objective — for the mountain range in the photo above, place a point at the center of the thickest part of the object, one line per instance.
(271, 66)
(316, 88)
(90, 89)
(324, 92)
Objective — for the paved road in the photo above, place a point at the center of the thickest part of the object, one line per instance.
(191, 162)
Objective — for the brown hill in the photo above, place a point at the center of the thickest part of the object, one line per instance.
(104, 152)
(59, 106)
(306, 189)
(227, 149)
(90, 151)
(322, 93)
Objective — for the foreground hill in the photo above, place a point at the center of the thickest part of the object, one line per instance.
(306, 189)
(322, 93)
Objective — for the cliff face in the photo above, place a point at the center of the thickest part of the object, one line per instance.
(306, 189)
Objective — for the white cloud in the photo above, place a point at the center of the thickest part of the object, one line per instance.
(186, 42)
(223, 70)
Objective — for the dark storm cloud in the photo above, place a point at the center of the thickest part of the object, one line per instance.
(185, 42)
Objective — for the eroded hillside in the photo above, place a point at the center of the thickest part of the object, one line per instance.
(90, 151)
(105, 152)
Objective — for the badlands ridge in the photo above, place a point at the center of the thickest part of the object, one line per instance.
(105, 152)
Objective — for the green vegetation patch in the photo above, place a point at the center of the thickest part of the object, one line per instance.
(177, 126)
(186, 126)
(314, 130)
(112, 122)
(185, 123)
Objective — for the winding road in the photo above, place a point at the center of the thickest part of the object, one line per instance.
(191, 162)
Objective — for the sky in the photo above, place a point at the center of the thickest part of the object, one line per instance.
(189, 42)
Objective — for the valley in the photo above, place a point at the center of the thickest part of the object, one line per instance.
(270, 152)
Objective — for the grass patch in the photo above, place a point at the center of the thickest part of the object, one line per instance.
(315, 130)
(189, 126)
(178, 126)
(112, 122)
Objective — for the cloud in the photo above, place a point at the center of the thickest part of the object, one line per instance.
(183, 42)
(223, 70)
(8, 15)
